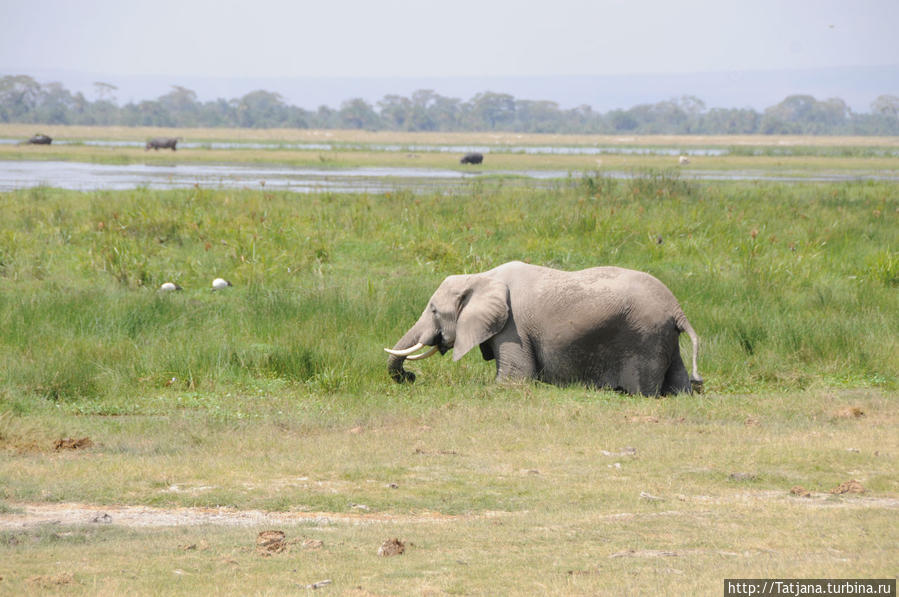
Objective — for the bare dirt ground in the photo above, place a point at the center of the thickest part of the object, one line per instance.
(24, 515)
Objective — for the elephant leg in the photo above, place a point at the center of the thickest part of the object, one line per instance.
(514, 360)
(676, 378)
(637, 376)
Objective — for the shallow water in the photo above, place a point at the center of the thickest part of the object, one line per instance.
(86, 176)
(83, 177)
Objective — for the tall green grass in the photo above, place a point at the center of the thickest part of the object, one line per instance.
(788, 285)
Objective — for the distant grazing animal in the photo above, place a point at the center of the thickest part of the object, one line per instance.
(162, 143)
(220, 284)
(683, 160)
(169, 287)
(39, 139)
(472, 158)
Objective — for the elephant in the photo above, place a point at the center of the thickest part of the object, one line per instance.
(40, 139)
(472, 158)
(162, 143)
(604, 327)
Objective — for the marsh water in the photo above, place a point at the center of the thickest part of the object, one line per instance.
(84, 176)
(87, 176)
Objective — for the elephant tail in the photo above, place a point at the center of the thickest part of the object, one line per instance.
(683, 325)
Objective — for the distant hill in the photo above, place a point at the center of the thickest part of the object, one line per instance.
(857, 86)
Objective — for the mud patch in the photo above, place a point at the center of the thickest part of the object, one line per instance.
(49, 581)
(800, 491)
(392, 547)
(71, 443)
(849, 412)
(269, 543)
(851, 486)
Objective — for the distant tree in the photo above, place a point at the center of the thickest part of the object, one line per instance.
(492, 111)
(220, 112)
(622, 121)
(262, 109)
(358, 114)
(729, 121)
(103, 111)
(446, 113)
(54, 105)
(326, 118)
(886, 105)
(105, 91)
(146, 113)
(662, 117)
(395, 111)
(537, 116)
(690, 104)
(421, 117)
(799, 114)
(22, 99)
(181, 105)
(19, 96)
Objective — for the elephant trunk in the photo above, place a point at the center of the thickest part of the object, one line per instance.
(395, 361)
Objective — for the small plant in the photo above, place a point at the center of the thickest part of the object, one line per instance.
(884, 267)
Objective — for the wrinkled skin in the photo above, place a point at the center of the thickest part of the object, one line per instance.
(605, 327)
(40, 139)
(162, 143)
(472, 158)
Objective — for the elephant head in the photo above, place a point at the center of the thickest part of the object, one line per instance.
(463, 312)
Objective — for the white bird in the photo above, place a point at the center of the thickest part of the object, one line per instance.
(683, 160)
(169, 287)
(220, 284)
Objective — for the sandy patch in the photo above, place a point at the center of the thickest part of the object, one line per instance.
(32, 514)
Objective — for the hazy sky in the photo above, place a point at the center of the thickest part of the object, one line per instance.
(390, 38)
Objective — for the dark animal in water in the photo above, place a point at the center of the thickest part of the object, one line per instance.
(40, 139)
(472, 158)
(162, 143)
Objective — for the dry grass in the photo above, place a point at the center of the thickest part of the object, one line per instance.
(510, 490)
(483, 138)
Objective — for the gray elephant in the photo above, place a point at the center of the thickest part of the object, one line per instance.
(472, 158)
(605, 327)
(162, 143)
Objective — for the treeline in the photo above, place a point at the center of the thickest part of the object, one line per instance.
(24, 100)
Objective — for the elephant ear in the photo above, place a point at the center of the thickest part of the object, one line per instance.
(483, 311)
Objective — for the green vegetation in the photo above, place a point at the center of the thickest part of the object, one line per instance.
(274, 394)
(22, 99)
(787, 284)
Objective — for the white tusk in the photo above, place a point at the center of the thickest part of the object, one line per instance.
(405, 352)
(424, 355)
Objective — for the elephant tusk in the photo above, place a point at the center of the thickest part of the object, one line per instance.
(406, 351)
(424, 355)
